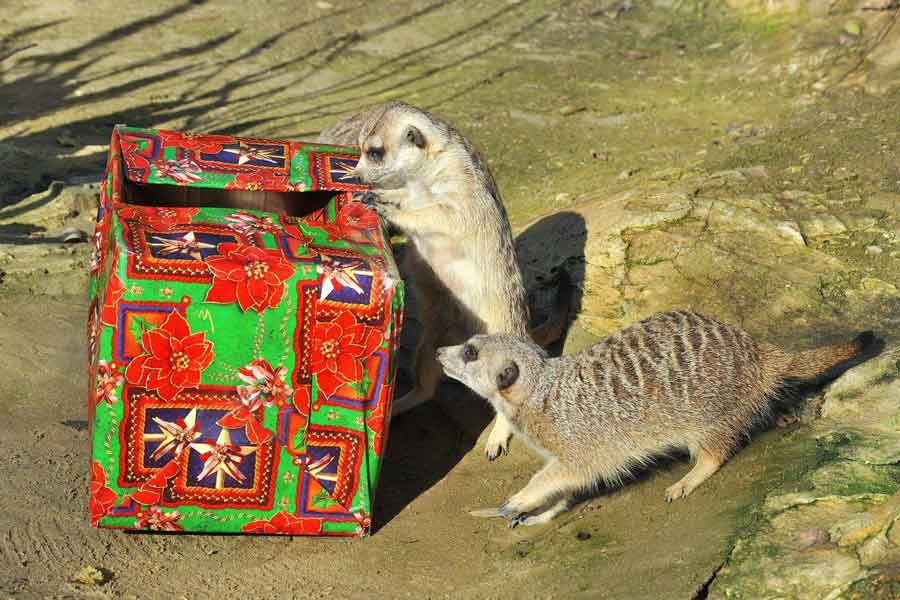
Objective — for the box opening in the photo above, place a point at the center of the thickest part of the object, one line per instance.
(296, 204)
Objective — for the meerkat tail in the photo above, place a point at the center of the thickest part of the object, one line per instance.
(816, 362)
(553, 328)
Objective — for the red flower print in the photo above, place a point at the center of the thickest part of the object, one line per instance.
(375, 423)
(356, 214)
(151, 490)
(254, 277)
(154, 519)
(259, 181)
(200, 142)
(284, 523)
(338, 350)
(102, 498)
(114, 292)
(173, 358)
(158, 218)
(108, 381)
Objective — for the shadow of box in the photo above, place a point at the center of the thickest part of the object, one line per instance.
(244, 323)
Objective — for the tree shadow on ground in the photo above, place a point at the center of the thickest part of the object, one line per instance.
(214, 84)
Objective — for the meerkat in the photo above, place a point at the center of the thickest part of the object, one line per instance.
(431, 183)
(677, 380)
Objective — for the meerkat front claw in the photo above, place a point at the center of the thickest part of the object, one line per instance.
(369, 197)
(519, 519)
(674, 492)
(496, 446)
(495, 451)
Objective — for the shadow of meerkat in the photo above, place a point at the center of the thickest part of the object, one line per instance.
(428, 441)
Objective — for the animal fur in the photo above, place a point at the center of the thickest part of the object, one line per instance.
(430, 182)
(676, 380)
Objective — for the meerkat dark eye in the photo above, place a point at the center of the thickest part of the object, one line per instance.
(414, 136)
(375, 154)
(470, 353)
(507, 376)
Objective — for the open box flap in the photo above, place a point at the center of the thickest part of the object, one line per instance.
(159, 156)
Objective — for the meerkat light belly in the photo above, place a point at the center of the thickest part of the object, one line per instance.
(675, 380)
(428, 181)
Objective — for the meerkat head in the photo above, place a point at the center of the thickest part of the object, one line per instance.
(396, 144)
(502, 369)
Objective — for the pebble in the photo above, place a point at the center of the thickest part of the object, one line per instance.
(67, 139)
(627, 173)
(571, 109)
(873, 250)
(89, 575)
(853, 28)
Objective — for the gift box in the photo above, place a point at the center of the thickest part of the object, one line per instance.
(243, 330)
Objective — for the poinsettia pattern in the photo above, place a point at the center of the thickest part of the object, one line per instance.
(253, 277)
(188, 140)
(102, 498)
(338, 349)
(258, 181)
(158, 218)
(173, 358)
(284, 523)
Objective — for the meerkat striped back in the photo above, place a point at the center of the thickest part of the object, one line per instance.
(679, 356)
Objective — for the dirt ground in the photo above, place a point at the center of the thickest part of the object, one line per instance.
(672, 154)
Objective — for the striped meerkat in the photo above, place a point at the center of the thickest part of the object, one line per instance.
(675, 380)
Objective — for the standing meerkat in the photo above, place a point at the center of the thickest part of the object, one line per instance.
(676, 380)
(429, 181)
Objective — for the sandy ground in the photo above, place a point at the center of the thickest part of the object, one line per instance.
(578, 106)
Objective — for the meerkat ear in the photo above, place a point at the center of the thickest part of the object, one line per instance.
(414, 136)
(507, 376)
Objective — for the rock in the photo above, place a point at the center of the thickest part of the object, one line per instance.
(626, 174)
(873, 250)
(67, 140)
(879, 288)
(853, 28)
(861, 220)
(570, 109)
(89, 575)
(821, 226)
(790, 231)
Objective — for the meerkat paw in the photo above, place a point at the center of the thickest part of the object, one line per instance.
(527, 520)
(678, 490)
(494, 449)
(380, 203)
(497, 443)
